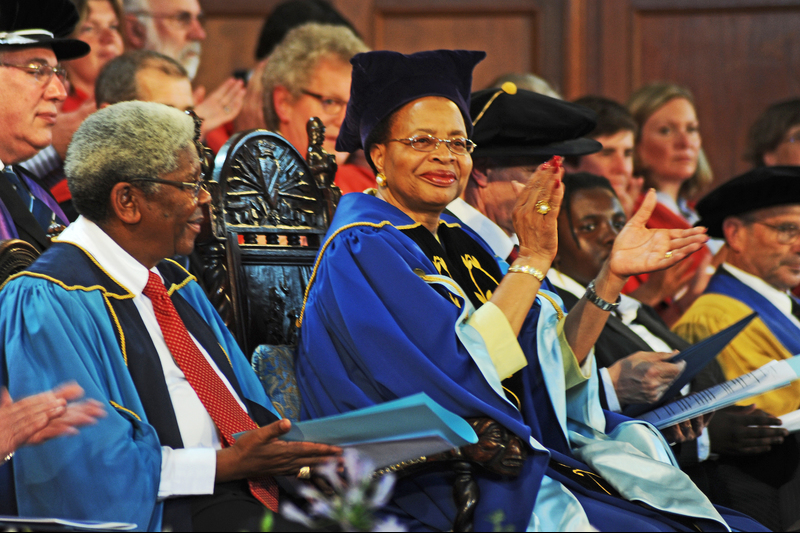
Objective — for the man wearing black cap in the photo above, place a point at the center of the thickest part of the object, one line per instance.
(31, 85)
(758, 215)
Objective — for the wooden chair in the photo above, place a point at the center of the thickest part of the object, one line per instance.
(269, 214)
(15, 256)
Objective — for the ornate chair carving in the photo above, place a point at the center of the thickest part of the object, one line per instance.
(15, 256)
(269, 213)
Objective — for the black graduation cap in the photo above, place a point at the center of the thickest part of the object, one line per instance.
(511, 122)
(384, 81)
(759, 188)
(41, 23)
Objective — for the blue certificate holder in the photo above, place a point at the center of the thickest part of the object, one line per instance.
(697, 357)
(389, 433)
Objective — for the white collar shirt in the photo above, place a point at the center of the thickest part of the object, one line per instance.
(187, 471)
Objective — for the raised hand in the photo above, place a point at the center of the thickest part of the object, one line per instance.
(536, 212)
(221, 106)
(639, 249)
(260, 452)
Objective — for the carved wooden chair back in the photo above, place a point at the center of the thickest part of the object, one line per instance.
(269, 215)
(15, 256)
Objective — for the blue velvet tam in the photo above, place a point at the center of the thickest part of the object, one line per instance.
(40, 24)
(759, 188)
(384, 81)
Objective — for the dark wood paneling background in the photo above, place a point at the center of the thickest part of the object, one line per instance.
(737, 56)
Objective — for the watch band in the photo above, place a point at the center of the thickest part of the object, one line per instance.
(592, 296)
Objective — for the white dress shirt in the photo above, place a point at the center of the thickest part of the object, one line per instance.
(187, 471)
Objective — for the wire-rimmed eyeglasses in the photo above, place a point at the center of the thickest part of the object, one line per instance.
(331, 106)
(429, 143)
(42, 73)
(787, 233)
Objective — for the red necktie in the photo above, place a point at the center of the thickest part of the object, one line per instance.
(225, 411)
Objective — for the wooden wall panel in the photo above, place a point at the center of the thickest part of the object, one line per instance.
(493, 34)
(737, 57)
(230, 46)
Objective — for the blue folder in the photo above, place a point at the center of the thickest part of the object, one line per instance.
(697, 357)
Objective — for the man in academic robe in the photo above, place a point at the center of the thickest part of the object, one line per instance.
(31, 87)
(758, 215)
(142, 338)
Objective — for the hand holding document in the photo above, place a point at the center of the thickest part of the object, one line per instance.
(769, 377)
(390, 433)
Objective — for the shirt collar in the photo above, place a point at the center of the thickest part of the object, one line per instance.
(490, 232)
(118, 263)
(778, 298)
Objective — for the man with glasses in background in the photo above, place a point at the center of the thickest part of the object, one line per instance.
(174, 28)
(31, 87)
(309, 76)
(758, 215)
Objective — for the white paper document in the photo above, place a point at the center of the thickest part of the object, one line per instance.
(791, 421)
(60, 524)
(769, 377)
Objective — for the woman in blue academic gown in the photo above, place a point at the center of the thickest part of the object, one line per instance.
(403, 299)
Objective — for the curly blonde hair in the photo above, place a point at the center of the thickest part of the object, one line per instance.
(642, 105)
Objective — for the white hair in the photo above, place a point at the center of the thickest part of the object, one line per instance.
(120, 143)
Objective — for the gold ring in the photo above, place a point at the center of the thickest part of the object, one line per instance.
(305, 473)
(542, 207)
(668, 255)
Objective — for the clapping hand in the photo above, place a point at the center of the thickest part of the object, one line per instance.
(44, 416)
(221, 106)
(536, 212)
(639, 249)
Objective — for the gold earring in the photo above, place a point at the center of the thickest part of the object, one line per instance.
(381, 179)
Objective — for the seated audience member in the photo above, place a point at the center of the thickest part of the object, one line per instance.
(285, 17)
(175, 29)
(37, 419)
(99, 27)
(140, 75)
(633, 349)
(31, 89)
(670, 157)
(146, 76)
(515, 131)
(774, 138)
(309, 76)
(142, 338)
(390, 312)
(758, 215)
(616, 131)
